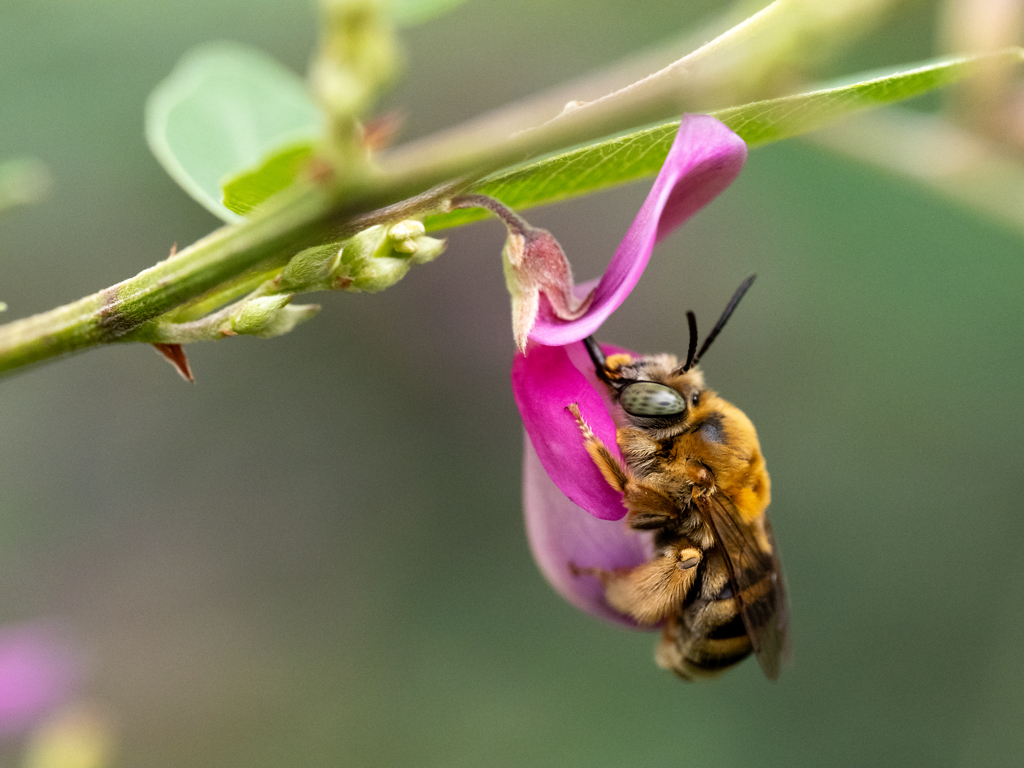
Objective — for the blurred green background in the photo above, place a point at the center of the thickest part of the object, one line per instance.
(314, 556)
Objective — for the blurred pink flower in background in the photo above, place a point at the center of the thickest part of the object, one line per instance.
(39, 671)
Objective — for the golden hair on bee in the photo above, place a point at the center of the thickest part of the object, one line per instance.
(693, 474)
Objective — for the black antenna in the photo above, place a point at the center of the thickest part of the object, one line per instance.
(691, 320)
(729, 308)
(598, 357)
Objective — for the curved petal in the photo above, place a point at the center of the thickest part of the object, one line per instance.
(704, 159)
(545, 381)
(561, 533)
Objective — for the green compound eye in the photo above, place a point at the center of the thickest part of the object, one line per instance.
(645, 398)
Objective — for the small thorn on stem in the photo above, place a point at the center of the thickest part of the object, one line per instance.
(175, 355)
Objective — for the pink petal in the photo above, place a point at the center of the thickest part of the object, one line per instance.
(38, 671)
(545, 381)
(704, 159)
(561, 533)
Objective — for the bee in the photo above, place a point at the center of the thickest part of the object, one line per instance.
(692, 474)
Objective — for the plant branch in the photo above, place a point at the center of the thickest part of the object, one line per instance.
(302, 217)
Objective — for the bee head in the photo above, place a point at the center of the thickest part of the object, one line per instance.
(656, 392)
(653, 391)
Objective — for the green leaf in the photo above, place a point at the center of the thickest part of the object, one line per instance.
(638, 154)
(244, 192)
(409, 13)
(223, 110)
(768, 121)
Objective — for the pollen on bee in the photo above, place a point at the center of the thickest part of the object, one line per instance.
(613, 362)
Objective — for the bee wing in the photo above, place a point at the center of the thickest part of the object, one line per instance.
(756, 579)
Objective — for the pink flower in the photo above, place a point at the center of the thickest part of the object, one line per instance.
(704, 159)
(38, 672)
(573, 517)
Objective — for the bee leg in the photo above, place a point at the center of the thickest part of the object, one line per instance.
(610, 467)
(652, 590)
(637, 446)
(649, 508)
(701, 478)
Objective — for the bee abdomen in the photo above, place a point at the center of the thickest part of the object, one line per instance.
(708, 635)
(699, 657)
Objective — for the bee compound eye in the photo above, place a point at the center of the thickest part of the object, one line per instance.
(647, 398)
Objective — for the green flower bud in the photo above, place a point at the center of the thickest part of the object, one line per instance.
(286, 319)
(310, 270)
(403, 235)
(269, 316)
(255, 314)
(379, 257)
(368, 263)
(428, 249)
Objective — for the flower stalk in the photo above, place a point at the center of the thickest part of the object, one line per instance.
(535, 267)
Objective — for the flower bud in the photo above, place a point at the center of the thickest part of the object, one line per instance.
(358, 55)
(371, 261)
(403, 235)
(254, 314)
(428, 249)
(310, 270)
(270, 316)
(286, 319)
(379, 257)
(534, 264)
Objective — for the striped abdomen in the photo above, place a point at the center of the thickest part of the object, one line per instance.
(708, 634)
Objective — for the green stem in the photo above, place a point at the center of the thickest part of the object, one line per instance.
(112, 313)
(204, 329)
(226, 292)
(304, 217)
